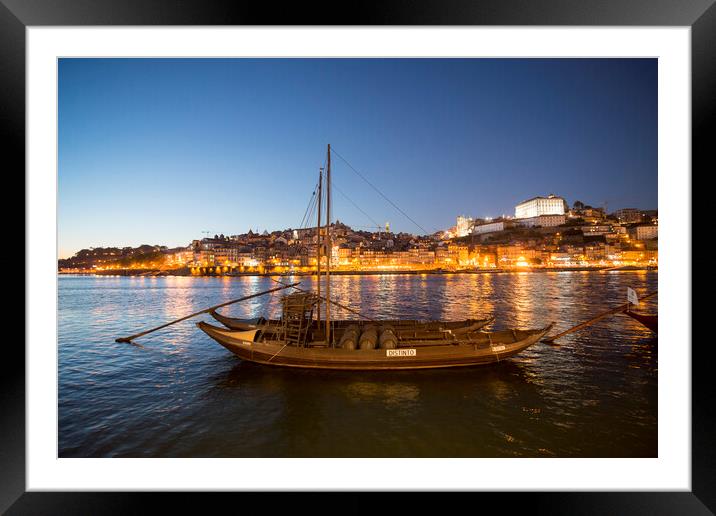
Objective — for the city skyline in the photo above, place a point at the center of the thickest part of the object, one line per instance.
(161, 150)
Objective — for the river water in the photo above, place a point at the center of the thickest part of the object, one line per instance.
(183, 395)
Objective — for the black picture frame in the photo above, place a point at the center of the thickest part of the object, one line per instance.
(700, 15)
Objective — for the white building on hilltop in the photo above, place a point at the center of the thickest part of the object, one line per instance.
(550, 205)
(463, 226)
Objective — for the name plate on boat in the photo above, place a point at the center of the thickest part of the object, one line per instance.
(498, 348)
(400, 352)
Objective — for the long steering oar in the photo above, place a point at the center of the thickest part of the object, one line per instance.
(617, 309)
(206, 310)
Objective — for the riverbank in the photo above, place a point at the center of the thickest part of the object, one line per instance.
(187, 272)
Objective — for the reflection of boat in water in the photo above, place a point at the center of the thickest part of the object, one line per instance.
(300, 340)
(650, 321)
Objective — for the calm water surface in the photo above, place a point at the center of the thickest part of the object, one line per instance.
(183, 395)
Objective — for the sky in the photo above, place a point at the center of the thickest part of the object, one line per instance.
(157, 151)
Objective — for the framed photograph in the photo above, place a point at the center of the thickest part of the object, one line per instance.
(413, 250)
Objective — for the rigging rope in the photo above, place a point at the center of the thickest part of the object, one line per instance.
(312, 204)
(279, 351)
(333, 185)
(381, 193)
(308, 208)
(307, 222)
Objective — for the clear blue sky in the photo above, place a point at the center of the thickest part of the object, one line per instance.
(158, 150)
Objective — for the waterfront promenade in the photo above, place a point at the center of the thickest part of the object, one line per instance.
(186, 271)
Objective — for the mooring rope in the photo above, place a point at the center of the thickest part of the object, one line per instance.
(279, 351)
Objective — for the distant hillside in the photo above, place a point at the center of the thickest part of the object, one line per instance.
(146, 255)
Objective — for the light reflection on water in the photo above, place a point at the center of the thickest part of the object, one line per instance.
(182, 395)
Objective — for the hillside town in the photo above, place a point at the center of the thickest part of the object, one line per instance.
(544, 233)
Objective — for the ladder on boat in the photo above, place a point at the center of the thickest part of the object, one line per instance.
(297, 316)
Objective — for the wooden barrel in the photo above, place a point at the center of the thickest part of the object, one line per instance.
(349, 340)
(369, 338)
(388, 339)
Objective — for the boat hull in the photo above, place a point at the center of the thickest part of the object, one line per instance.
(649, 321)
(480, 349)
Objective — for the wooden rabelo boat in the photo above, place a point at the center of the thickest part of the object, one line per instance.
(470, 349)
(649, 321)
(306, 336)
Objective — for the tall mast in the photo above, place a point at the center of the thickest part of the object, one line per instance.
(329, 247)
(318, 244)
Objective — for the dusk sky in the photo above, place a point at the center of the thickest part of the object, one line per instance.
(155, 151)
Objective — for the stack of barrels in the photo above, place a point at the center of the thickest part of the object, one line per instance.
(349, 340)
(371, 337)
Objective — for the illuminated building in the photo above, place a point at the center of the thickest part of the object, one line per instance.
(463, 226)
(458, 254)
(588, 214)
(645, 232)
(544, 221)
(512, 254)
(421, 256)
(628, 215)
(550, 205)
(596, 230)
(490, 227)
